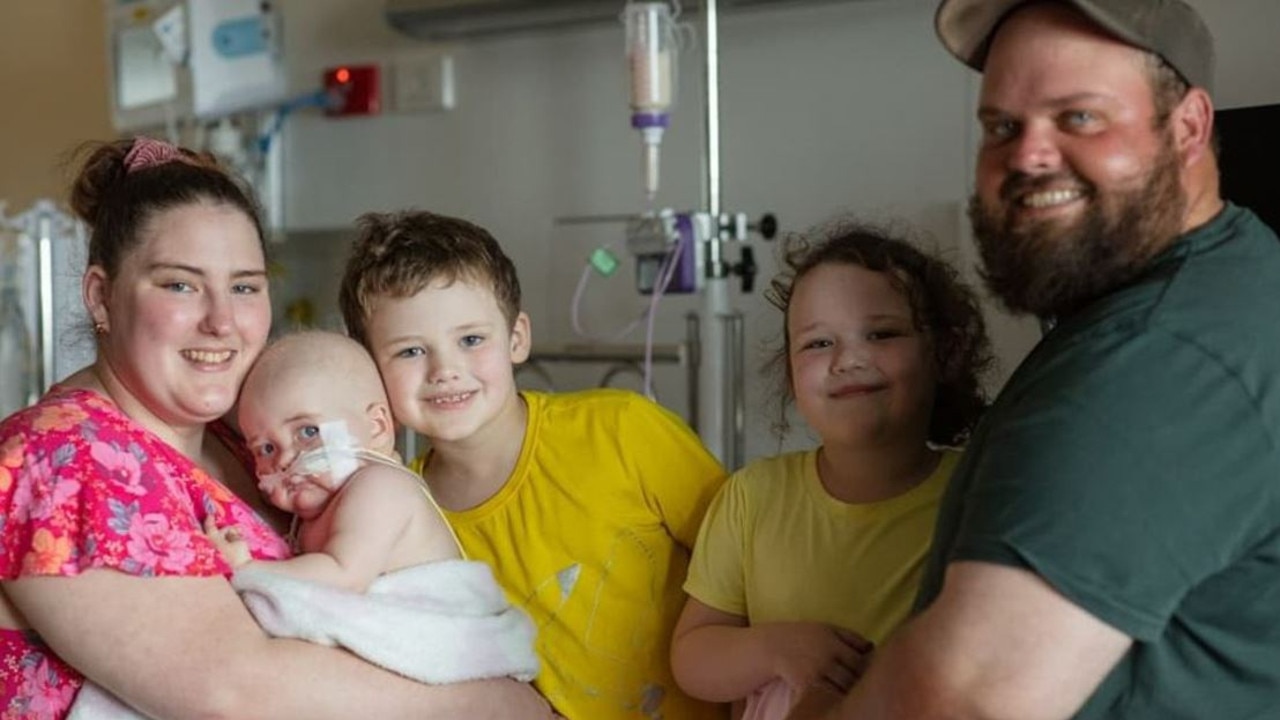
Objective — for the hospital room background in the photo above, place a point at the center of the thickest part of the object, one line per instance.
(822, 108)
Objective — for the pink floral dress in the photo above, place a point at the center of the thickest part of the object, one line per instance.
(82, 486)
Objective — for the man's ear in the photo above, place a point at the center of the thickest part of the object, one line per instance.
(94, 290)
(1192, 123)
(521, 339)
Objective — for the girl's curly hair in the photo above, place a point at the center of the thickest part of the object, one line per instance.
(941, 305)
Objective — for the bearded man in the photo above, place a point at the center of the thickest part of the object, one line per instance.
(1110, 544)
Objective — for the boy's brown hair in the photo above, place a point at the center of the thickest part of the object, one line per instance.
(399, 254)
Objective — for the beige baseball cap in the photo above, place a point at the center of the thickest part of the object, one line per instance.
(1168, 28)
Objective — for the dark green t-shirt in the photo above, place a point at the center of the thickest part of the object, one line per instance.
(1133, 462)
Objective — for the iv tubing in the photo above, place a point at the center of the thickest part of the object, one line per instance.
(667, 271)
(579, 292)
(381, 459)
(576, 320)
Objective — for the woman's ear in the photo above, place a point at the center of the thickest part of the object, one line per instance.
(95, 288)
(521, 339)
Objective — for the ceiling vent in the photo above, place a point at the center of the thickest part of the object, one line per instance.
(455, 19)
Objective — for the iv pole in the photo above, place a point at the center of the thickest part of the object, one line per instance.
(714, 403)
(717, 393)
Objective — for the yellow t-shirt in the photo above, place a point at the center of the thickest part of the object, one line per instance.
(776, 547)
(591, 536)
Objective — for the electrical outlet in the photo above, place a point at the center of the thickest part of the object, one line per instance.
(422, 83)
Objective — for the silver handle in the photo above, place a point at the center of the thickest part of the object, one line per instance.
(693, 343)
(735, 390)
(44, 332)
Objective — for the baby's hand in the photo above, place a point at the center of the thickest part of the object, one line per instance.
(228, 541)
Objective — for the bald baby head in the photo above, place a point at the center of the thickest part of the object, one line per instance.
(334, 358)
(308, 378)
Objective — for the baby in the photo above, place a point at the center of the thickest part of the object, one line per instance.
(316, 419)
(378, 570)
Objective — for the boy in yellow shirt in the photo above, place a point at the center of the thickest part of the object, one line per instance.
(585, 504)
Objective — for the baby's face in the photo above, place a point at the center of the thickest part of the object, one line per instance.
(281, 419)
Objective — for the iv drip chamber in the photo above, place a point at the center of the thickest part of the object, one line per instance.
(652, 139)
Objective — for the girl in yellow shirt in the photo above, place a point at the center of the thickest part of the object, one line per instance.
(808, 559)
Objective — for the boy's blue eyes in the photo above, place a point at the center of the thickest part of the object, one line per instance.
(307, 432)
(466, 341)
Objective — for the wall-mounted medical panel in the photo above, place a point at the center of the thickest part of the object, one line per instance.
(172, 60)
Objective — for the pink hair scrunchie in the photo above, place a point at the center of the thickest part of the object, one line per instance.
(148, 152)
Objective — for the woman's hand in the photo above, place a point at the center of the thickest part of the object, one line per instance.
(811, 653)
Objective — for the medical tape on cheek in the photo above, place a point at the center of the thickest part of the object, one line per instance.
(333, 461)
(339, 449)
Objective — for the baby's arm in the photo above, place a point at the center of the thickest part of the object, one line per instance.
(368, 519)
(716, 656)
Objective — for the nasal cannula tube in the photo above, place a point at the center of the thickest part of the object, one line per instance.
(650, 57)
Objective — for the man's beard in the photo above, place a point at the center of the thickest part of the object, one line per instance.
(1051, 268)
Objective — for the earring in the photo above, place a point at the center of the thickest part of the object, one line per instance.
(99, 329)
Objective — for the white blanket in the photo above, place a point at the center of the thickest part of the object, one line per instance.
(440, 622)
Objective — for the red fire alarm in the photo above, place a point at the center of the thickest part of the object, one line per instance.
(353, 90)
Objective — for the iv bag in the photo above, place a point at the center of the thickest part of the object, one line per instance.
(651, 48)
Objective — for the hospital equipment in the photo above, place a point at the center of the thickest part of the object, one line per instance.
(17, 366)
(42, 260)
(684, 252)
(651, 55)
(721, 400)
(176, 59)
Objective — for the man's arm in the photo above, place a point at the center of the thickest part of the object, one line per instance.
(999, 642)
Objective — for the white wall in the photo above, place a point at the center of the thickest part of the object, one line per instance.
(825, 109)
(1248, 54)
